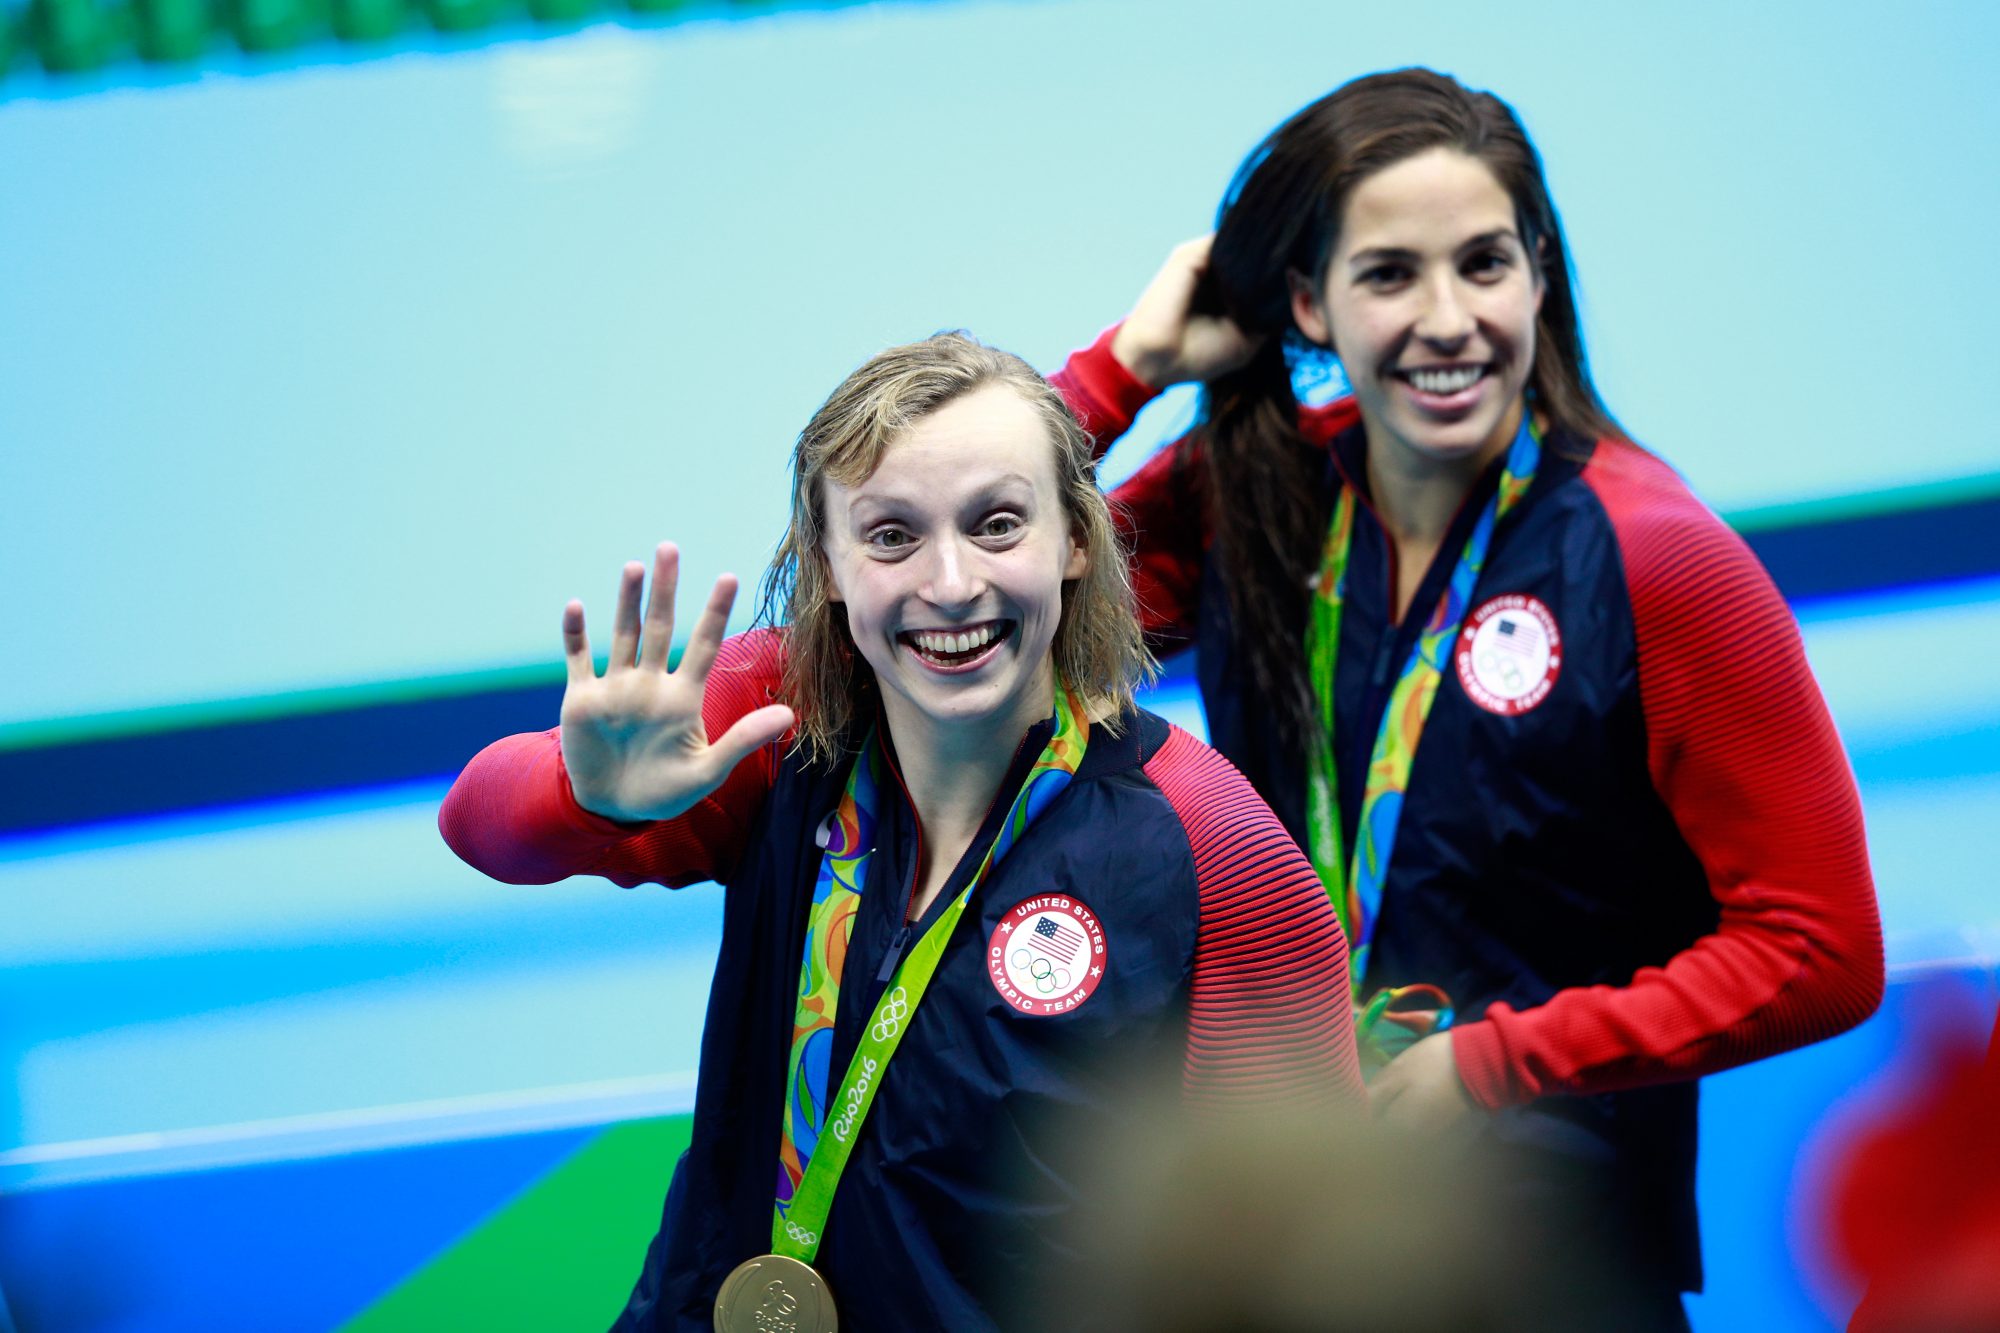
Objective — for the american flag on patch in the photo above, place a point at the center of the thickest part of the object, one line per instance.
(1520, 636)
(1056, 940)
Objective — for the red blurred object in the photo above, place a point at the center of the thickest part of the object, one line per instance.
(1916, 1203)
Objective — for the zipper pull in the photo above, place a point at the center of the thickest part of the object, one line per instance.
(894, 955)
(1385, 661)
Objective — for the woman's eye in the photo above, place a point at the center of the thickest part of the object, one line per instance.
(889, 539)
(1487, 264)
(1384, 275)
(1000, 525)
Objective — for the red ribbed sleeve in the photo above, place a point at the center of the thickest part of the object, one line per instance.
(1103, 394)
(1742, 750)
(512, 815)
(1157, 512)
(1270, 1022)
(1160, 520)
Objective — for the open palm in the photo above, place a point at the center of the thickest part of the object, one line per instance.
(633, 739)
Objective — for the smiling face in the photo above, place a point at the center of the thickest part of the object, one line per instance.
(1429, 299)
(950, 559)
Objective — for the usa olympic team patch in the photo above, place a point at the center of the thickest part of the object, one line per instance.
(1047, 955)
(1509, 654)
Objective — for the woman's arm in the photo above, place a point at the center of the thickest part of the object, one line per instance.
(1164, 341)
(1158, 510)
(1744, 754)
(629, 786)
(1104, 396)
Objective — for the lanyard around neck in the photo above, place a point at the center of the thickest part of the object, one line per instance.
(1355, 884)
(818, 1131)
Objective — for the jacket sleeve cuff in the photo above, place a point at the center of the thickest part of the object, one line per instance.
(586, 824)
(1481, 1055)
(1104, 395)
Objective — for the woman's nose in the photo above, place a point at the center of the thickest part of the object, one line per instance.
(953, 579)
(1445, 322)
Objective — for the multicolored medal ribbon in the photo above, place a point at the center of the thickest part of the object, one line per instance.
(1394, 1017)
(814, 1148)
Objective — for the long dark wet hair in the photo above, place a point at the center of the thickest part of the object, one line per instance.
(1281, 215)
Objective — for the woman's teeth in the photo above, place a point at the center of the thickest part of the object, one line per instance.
(1456, 380)
(942, 643)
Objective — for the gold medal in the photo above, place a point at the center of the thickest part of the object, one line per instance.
(773, 1294)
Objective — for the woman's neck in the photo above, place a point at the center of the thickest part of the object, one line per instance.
(1417, 496)
(953, 771)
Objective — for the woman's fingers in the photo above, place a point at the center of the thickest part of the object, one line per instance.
(576, 644)
(1187, 263)
(1151, 343)
(625, 620)
(657, 636)
(750, 733)
(705, 640)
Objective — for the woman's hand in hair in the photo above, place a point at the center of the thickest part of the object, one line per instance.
(1420, 1092)
(1166, 340)
(633, 740)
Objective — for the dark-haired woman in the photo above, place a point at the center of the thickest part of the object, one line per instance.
(1540, 719)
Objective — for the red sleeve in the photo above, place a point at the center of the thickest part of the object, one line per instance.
(1742, 750)
(1101, 392)
(1159, 516)
(511, 813)
(1157, 513)
(1270, 1021)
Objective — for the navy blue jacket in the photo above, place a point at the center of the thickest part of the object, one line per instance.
(1222, 955)
(1646, 865)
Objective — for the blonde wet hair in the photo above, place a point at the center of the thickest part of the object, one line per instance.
(1098, 648)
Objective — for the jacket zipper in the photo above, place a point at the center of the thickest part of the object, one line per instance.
(894, 954)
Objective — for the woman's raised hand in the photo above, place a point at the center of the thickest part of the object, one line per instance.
(633, 739)
(1165, 340)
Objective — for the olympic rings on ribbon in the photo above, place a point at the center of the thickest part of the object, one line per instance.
(895, 1008)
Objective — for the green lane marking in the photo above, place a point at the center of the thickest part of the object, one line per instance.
(563, 1255)
(291, 703)
(37, 733)
(42, 732)
(1868, 504)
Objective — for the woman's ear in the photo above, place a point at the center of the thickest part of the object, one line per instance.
(1306, 311)
(1079, 556)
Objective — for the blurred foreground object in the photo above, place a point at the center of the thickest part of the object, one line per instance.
(1916, 1201)
(1295, 1222)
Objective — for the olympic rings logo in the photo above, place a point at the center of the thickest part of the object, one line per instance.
(1043, 975)
(1504, 666)
(889, 1018)
(800, 1234)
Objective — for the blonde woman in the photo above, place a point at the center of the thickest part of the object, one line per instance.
(967, 879)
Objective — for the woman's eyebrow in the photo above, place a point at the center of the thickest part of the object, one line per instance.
(1376, 254)
(1488, 238)
(861, 499)
(1000, 483)
(895, 501)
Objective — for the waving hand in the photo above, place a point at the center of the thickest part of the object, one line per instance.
(633, 739)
